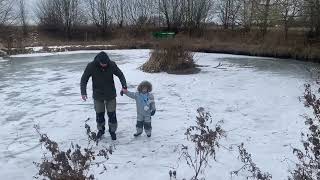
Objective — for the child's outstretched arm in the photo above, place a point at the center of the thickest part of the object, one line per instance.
(153, 105)
(130, 94)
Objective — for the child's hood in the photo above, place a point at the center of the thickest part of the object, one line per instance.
(146, 84)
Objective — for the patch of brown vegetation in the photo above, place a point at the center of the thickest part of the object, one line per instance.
(172, 57)
(212, 40)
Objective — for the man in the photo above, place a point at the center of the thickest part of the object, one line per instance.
(102, 69)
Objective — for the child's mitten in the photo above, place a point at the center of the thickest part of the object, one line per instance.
(153, 112)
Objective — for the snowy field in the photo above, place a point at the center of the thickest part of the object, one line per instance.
(256, 97)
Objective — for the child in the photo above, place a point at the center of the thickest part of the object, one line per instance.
(145, 107)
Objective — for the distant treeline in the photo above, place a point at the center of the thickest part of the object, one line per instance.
(188, 15)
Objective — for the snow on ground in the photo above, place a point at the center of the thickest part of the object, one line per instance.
(51, 54)
(256, 97)
(108, 45)
(2, 60)
(54, 53)
(35, 49)
(40, 48)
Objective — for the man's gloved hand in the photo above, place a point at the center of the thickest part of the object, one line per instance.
(123, 91)
(153, 112)
(84, 97)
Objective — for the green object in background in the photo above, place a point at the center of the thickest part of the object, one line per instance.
(160, 35)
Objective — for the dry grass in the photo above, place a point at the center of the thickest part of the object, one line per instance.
(217, 40)
(172, 57)
(252, 44)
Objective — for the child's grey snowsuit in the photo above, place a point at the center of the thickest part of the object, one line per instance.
(145, 106)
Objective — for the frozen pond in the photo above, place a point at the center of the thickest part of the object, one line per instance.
(256, 97)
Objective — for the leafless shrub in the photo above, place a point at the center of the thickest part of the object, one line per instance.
(308, 167)
(72, 164)
(171, 57)
(250, 166)
(205, 140)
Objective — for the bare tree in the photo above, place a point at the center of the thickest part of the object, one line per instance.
(229, 12)
(311, 9)
(100, 14)
(173, 12)
(72, 15)
(201, 10)
(6, 12)
(247, 13)
(60, 13)
(265, 16)
(289, 9)
(119, 12)
(140, 11)
(49, 15)
(23, 16)
(197, 13)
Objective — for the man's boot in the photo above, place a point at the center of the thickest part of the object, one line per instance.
(99, 134)
(113, 125)
(113, 136)
(100, 124)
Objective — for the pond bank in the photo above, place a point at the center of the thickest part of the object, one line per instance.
(311, 54)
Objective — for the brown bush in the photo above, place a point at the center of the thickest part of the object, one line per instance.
(171, 57)
(205, 139)
(73, 164)
(308, 165)
(253, 171)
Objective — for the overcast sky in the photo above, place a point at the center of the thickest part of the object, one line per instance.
(31, 4)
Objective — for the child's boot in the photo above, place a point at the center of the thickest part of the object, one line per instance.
(137, 134)
(139, 127)
(147, 128)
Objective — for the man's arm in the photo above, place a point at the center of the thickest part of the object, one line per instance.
(84, 80)
(120, 75)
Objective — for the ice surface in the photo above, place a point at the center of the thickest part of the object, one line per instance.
(256, 97)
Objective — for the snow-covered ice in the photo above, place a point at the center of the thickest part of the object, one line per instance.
(35, 49)
(256, 97)
(55, 53)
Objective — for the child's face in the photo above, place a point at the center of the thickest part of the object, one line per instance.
(144, 90)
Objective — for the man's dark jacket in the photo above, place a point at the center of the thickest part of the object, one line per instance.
(102, 78)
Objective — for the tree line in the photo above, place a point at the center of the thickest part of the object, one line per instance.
(175, 15)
